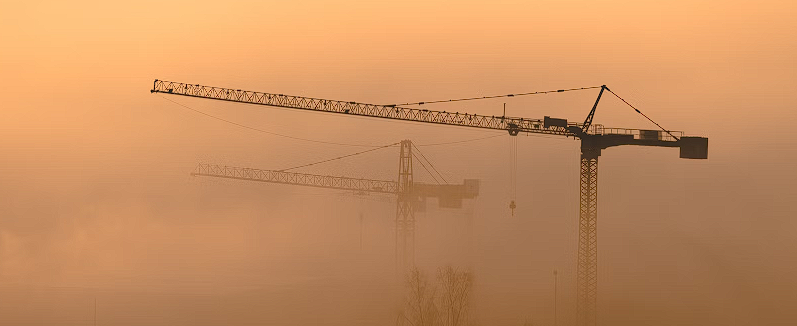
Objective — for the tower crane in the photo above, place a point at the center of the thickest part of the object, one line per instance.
(411, 196)
(594, 139)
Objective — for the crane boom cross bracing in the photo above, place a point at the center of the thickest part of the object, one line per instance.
(594, 138)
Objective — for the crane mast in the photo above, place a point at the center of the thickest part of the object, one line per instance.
(405, 212)
(594, 139)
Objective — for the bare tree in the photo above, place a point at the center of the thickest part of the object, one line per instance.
(426, 306)
(454, 300)
(421, 308)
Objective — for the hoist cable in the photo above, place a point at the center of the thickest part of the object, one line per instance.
(513, 167)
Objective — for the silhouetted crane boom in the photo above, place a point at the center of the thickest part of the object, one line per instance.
(295, 178)
(514, 125)
(449, 195)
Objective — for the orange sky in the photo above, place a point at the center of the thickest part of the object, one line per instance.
(96, 194)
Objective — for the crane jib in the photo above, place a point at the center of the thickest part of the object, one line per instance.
(361, 109)
(514, 125)
(454, 193)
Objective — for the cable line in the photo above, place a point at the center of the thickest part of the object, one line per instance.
(512, 174)
(430, 163)
(462, 141)
(500, 96)
(425, 168)
(640, 112)
(312, 140)
(339, 157)
(265, 131)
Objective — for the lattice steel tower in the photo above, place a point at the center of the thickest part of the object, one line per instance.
(405, 210)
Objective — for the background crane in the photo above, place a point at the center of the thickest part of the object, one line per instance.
(594, 139)
(410, 195)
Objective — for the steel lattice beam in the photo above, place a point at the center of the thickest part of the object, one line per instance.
(405, 212)
(587, 269)
(294, 178)
(512, 124)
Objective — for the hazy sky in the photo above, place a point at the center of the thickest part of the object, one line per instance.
(96, 200)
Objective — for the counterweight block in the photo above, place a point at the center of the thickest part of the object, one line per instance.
(694, 147)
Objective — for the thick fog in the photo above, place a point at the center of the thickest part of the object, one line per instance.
(100, 219)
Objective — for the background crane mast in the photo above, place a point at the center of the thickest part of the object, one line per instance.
(594, 139)
(410, 195)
